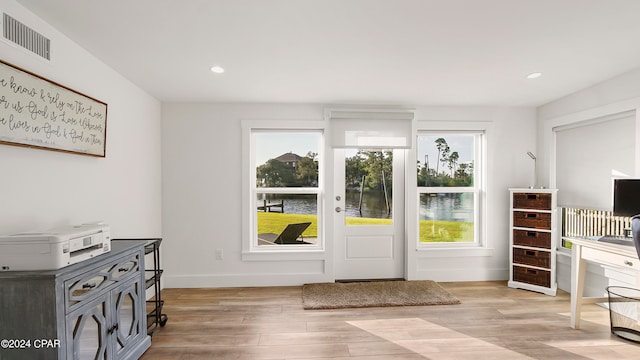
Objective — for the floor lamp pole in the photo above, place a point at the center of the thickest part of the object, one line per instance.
(535, 169)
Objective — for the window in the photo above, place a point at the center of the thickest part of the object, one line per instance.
(449, 184)
(589, 155)
(285, 188)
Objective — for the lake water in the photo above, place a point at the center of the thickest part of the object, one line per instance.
(447, 207)
(441, 206)
(373, 204)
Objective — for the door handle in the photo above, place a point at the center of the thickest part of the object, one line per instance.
(338, 209)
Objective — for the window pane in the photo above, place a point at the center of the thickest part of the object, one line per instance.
(287, 219)
(446, 217)
(286, 159)
(446, 160)
(368, 187)
(588, 157)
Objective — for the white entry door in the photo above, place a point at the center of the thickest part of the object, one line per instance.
(369, 214)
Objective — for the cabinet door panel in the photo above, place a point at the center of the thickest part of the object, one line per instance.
(127, 300)
(87, 329)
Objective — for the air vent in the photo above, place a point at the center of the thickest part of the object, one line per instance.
(19, 33)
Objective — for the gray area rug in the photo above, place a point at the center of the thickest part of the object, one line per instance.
(375, 293)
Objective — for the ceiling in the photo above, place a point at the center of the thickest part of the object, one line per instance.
(391, 52)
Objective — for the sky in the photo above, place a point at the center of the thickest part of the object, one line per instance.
(463, 144)
(270, 145)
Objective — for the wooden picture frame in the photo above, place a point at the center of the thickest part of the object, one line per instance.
(38, 113)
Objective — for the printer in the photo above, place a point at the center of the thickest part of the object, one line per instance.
(53, 249)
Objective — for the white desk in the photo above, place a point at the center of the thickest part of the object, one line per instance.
(588, 249)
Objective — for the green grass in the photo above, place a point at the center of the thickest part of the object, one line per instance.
(368, 221)
(269, 222)
(445, 231)
(430, 230)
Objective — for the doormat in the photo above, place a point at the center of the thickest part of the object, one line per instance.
(375, 294)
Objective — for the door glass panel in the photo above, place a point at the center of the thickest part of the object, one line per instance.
(446, 217)
(368, 187)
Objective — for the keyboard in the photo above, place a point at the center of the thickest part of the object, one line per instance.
(617, 239)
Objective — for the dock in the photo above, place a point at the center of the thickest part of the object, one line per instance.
(268, 207)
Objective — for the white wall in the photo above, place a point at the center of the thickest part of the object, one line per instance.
(41, 189)
(616, 95)
(202, 177)
(202, 195)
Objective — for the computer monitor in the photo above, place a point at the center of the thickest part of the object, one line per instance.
(626, 197)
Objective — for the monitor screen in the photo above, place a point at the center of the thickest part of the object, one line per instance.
(626, 197)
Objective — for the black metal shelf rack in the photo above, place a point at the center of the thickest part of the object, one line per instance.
(155, 317)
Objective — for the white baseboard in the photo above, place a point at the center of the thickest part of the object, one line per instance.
(244, 280)
(461, 275)
(241, 280)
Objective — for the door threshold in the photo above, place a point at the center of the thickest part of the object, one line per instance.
(368, 280)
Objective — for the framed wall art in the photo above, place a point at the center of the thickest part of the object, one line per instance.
(38, 113)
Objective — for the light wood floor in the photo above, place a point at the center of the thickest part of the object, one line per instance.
(493, 322)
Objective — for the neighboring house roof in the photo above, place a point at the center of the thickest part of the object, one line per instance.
(288, 157)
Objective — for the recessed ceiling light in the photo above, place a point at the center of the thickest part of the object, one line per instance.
(534, 75)
(217, 69)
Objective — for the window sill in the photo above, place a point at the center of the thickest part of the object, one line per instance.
(441, 252)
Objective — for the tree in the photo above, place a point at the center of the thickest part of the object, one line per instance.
(422, 174)
(275, 173)
(354, 170)
(443, 149)
(377, 162)
(307, 170)
(465, 174)
(452, 160)
(372, 164)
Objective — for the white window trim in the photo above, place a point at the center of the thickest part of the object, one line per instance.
(439, 250)
(250, 250)
(475, 189)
